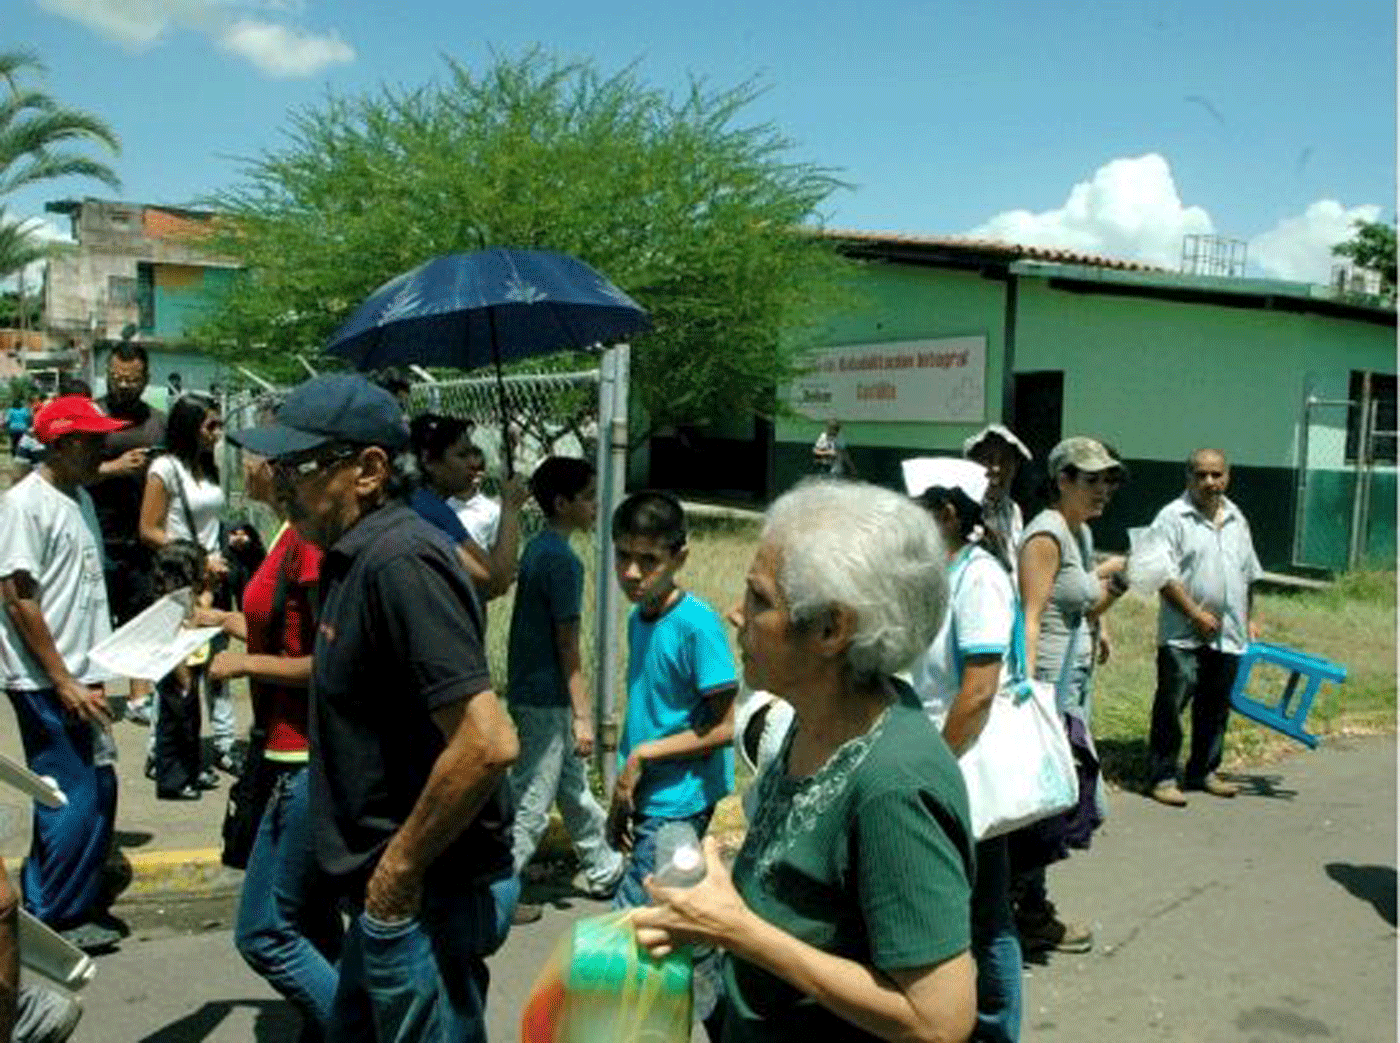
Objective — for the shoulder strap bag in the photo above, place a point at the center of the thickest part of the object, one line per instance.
(1020, 769)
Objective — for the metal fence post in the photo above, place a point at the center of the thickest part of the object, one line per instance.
(1300, 504)
(604, 590)
(1363, 444)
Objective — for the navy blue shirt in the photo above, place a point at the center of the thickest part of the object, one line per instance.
(399, 636)
(434, 510)
(548, 591)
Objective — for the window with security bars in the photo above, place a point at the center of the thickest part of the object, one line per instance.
(1382, 450)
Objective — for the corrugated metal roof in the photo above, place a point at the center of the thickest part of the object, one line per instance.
(964, 244)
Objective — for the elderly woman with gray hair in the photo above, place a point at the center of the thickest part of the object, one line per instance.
(846, 917)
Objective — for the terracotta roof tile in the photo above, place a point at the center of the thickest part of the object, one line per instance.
(1011, 251)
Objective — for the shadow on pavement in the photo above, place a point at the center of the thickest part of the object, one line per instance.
(274, 1021)
(1374, 884)
(128, 838)
(1260, 785)
(1124, 762)
(556, 893)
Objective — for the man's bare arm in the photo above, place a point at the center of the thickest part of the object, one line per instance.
(481, 745)
(20, 596)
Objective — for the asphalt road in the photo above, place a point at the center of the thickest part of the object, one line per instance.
(1265, 919)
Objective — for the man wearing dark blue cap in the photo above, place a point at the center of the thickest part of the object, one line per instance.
(409, 744)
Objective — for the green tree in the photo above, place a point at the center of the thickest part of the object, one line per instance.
(1372, 247)
(41, 140)
(696, 214)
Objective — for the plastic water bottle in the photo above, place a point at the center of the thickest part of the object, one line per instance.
(680, 862)
(104, 747)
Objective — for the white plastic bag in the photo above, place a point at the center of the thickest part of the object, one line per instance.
(1150, 563)
(1020, 769)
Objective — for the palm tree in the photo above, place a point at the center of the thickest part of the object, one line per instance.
(39, 141)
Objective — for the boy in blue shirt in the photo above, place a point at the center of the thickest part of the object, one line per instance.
(547, 695)
(678, 761)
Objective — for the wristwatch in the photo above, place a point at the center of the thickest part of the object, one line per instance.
(1117, 584)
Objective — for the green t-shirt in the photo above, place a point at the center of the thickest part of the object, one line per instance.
(871, 858)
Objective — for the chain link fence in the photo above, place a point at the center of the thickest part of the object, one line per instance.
(245, 407)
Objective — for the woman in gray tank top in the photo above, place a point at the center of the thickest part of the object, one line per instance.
(1063, 593)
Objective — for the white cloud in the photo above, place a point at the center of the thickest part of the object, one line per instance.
(1301, 247)
(1130, 208)
(137, 23)
(240, 27)
(284, 53)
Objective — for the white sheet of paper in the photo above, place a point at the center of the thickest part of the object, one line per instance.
(155, 642)
(40, 787)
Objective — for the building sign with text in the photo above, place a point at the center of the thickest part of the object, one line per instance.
(935, 381)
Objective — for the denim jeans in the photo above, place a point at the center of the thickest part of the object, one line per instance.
(996, 947)
(288, 928)
(1203, 677)
(422, 979)
(549, 772)
(642, 863)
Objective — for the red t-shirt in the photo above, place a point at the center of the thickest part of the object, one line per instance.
(279, 709)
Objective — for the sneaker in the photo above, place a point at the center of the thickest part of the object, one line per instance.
(526, 912)
(91, 937)
(581, 884)
(1218, 787)
(1168, 793)
(208, 779)
(150, 767)
(1042, 930)
(43, 1013)
(183, 793)
(139, 713)
(227, 760)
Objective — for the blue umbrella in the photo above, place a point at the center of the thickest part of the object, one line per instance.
(484, 308)
(470, 310)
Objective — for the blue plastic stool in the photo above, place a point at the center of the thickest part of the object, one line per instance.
(1291, 711)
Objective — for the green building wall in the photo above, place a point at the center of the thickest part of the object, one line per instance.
(893, 303)
(182, 295)
(1155, 377)
(1159, 378)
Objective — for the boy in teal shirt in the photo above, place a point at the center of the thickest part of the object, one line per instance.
(677, 758)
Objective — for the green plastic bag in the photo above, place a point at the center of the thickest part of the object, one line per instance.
(600, 987)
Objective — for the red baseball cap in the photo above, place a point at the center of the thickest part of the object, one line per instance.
(72, 414)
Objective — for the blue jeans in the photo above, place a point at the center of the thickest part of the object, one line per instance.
(288, 928)
(63, 873)
(996, 947)
(642, 863)
(420, 979)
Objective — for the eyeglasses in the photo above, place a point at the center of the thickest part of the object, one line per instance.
(295, 468)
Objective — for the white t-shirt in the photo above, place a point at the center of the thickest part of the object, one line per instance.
(480, 516)
(206, 500)
(55, 538)
(980, 617)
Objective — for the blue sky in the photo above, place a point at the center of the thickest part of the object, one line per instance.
(1107, 126)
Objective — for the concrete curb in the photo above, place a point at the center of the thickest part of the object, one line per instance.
(190, 874)
(199, 873)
